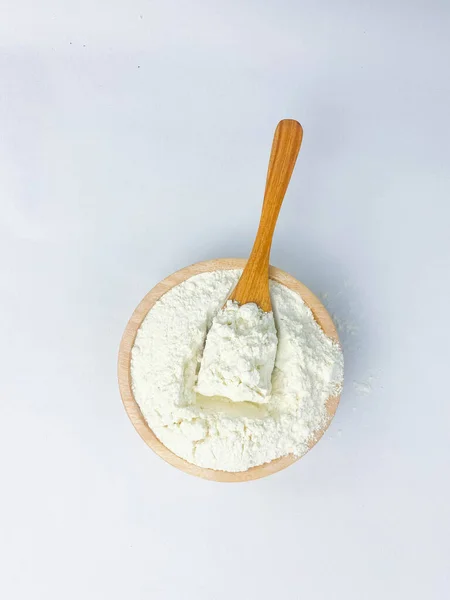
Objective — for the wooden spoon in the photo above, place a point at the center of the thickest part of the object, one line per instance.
(253, 286)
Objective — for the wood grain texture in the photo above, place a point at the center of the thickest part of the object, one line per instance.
(253, 286)
(320, 314)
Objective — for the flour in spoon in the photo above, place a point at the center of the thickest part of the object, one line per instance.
(239, 354)
(215, 432)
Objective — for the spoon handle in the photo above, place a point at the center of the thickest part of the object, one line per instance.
(253, 286)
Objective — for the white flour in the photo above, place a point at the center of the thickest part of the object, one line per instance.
(239, 354)
(214, 432)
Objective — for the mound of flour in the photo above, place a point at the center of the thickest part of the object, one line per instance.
(214, 432)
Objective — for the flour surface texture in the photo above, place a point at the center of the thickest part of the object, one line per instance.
(212, 431)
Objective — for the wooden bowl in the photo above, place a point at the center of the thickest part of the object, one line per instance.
(134, 412)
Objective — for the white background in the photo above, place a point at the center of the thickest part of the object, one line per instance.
(134, 140)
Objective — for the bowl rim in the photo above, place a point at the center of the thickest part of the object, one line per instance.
(135, 415)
